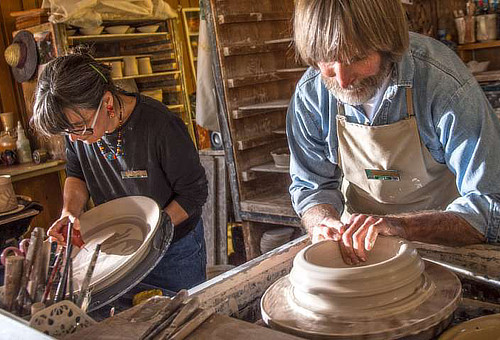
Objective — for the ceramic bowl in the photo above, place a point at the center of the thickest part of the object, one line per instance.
(148, 28)
(121, 29)
(91, 30)
(281, 157)
(323, 283)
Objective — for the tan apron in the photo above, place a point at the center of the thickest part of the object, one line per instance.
(388, 170)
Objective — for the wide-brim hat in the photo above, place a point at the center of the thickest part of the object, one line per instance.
(22, 56)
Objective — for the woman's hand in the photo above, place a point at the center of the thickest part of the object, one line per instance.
(59, 229)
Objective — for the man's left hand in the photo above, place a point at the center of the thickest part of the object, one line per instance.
(361, 234)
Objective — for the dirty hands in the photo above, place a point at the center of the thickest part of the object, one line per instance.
(357, 237)
(58, 231)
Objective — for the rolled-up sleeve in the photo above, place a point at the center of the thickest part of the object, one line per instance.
(315, 178)
(470, 134)
(181, 163)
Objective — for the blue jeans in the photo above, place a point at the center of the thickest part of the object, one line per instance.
(184, 264)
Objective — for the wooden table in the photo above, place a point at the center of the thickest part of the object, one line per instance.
(41, 182)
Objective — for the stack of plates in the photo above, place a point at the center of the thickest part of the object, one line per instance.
(274, 238)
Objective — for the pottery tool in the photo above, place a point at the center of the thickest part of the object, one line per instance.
(166, 315)
(192, 324)
(70, 280)
(53, 273)
(61, 288)
(12, 280)
(88, 276)
(37, 272)
(185, 312)
(467, 273)
(23, 295)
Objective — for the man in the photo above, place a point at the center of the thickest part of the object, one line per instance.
(397, 117)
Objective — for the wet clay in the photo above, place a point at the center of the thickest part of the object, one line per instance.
(393, 294)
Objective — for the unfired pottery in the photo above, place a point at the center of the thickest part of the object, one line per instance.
(393, 294)
(483, 328)
(8, 199)
(124, 227)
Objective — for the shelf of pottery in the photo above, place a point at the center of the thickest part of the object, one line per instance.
(144, 57)
(191, 21)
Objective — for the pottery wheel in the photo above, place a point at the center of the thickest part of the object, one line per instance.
(281, 311)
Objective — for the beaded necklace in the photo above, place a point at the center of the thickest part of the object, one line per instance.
(111, 155)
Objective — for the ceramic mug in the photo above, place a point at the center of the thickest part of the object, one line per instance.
(7, 119)
(145, 65)
(8, 199)
(130, 66)
(117, 69)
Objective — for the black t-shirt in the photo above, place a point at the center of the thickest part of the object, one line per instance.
(154, 141)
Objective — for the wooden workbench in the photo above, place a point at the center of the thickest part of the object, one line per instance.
(237, 293)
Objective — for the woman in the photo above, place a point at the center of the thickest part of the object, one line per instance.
(120, 144)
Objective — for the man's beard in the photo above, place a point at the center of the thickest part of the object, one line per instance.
(361, 91)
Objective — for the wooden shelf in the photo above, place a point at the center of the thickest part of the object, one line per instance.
(274, 204)
(178, 107)
(488, 76)
(265, 77)
(255, 142)
(194, 34)
(253, 17)
(256, 109)
(114, 37)
(481, 45)
(270, 167)
(121, 57)
(252, 48)
(280, 131)
(158, 74)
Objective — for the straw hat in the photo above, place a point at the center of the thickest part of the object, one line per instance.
(22, 56)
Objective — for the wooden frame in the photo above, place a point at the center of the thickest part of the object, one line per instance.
(255, 76)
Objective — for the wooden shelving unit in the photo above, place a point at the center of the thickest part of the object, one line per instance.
(482, 51)
(191, 21)
(164, 49)
(255, 75)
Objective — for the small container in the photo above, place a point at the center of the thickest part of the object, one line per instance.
(486, 28)
(281, 157)
(22, 145)
(145, 65)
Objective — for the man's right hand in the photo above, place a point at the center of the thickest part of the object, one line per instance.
(58, 231)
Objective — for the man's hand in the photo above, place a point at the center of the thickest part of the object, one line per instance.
(361, 234)
(328, 229)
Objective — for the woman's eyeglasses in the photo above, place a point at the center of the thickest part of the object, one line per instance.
(86, 131)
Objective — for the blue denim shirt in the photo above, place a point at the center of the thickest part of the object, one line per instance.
(455, 121)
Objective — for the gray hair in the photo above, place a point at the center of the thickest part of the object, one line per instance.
(346, 30)
(75, 81)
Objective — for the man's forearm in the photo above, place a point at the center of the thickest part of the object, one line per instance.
(437, 227)
(313, 216)
(75, 196)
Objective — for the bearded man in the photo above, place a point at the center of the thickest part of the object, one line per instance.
(389, 133)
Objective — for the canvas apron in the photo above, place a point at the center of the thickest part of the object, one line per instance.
(387, 169)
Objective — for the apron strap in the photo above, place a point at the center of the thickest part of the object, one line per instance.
(409, 102)
(340, 108)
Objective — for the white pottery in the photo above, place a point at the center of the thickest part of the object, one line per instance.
(117, 69)
(144, 64)
(91, 30)
(148, 28)
(8, 199)
(392, 295)
(130, 66)
(120, 29)
(124, 227)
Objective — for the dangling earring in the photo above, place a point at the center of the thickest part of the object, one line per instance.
(111, 111)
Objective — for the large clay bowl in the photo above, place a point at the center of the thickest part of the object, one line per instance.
(124, 227)
(323, 283)
(392, 295)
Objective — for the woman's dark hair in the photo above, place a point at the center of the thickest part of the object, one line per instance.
(75, 81)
